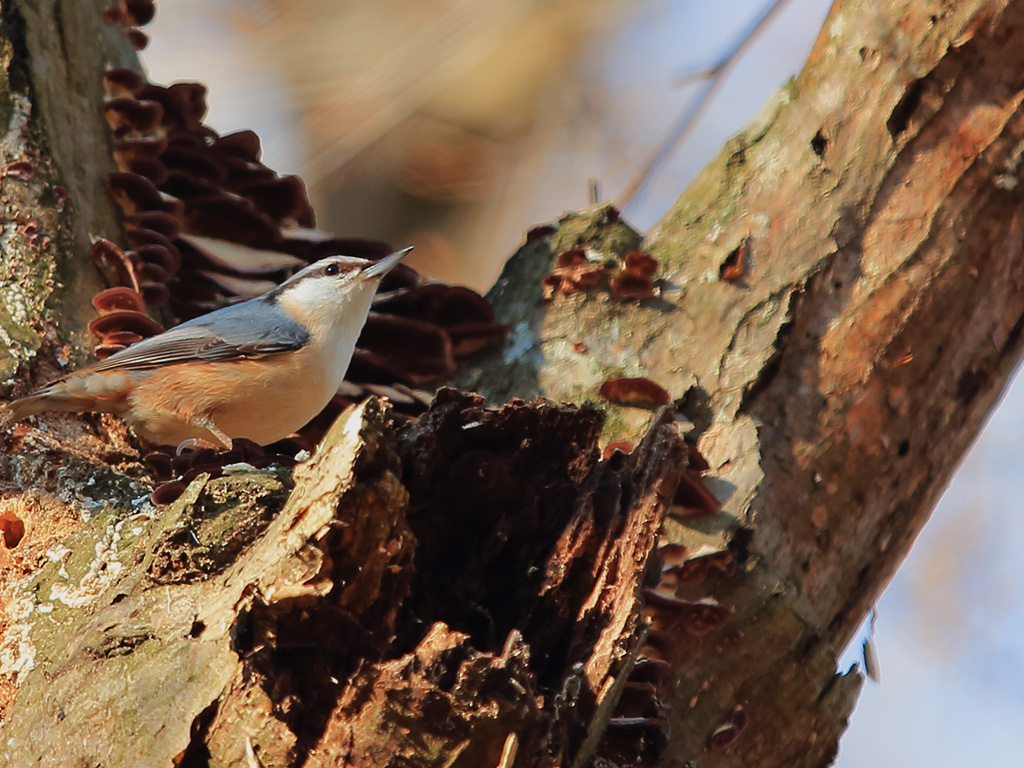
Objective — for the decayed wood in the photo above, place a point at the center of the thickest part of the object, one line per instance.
(53, 160)
(155, 648)
(222, 633)
(467, 591)
(875, 208)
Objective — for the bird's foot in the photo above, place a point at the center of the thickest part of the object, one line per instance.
(195, 444)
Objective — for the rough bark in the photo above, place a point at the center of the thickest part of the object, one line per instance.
(53, 161)
(52, 56)
(876, 208)
(477, 588)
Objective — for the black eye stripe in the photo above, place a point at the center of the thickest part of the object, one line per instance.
(330, 269)
(337, 268)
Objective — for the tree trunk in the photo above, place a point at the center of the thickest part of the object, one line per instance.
(838, 304)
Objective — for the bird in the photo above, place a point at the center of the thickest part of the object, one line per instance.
(259, 369)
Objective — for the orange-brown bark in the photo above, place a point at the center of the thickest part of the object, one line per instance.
(834, 381)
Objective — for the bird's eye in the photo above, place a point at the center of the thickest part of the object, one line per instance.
(332, 269)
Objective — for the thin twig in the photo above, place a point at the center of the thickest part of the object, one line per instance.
(715, 78)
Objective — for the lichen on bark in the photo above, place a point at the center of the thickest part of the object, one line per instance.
(53, 200)
(831, 386)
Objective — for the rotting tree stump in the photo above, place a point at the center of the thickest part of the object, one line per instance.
(839, 304)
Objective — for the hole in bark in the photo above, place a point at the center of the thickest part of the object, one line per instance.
(197, 629)
(118, 598)
(243, 636)
(812, 642)
(740, 545)
(904, 448)
(969, 385)
(818, 144)
(736, 264)
(13, 528)
(901, 114)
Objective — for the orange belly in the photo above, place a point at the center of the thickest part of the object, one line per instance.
(263, 400)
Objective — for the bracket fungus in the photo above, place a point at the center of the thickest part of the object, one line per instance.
(638, 391)
(209, 224)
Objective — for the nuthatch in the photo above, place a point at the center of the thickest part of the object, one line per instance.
(259, 369)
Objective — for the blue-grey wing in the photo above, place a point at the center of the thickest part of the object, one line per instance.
(253, 328)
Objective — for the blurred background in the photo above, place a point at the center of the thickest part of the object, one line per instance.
(459, 124)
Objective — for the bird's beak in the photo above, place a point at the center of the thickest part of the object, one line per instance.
(385, 265)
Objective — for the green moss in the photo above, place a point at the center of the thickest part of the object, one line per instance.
(188, 540)
(596, 228)
(230, 501)
(22, 305)
(102, 484)
(228, 514)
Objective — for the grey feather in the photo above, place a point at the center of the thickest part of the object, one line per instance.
(254, 328)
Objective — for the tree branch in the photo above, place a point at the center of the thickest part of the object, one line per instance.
(874, 211)
(839, 305)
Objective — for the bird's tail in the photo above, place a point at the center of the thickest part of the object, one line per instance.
(52, 398)
(17, 410)
(81, 391)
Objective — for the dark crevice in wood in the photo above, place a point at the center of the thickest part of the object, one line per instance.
(12, 30)
(819, 143)
(902, 113)
(196, 754)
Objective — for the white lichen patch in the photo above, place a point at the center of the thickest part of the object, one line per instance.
(100, 574)
(17, 652)
(17, 124)
(520, 341)
(25, 281)
(58, 553)
(132, 523)
(19, 310)
(16, 300)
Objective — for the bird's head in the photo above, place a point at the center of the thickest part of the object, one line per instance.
(335, 292)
